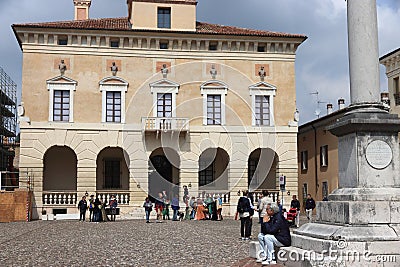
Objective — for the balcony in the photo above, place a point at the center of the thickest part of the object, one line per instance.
(157, 124)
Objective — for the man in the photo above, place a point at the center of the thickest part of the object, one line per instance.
(310, 205)
(263, 204)
(274, 232)
(113, 207)
(82, 207)
(244, 209)
(91, 207)
(295, 203)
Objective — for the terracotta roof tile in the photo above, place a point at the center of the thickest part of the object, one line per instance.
(122, 24)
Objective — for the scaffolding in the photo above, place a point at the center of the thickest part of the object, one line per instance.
(8, 123)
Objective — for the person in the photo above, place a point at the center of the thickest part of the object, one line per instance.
(113, 207)
(165, 212)
(263, 204)
(91, 207)
(310, 205)
(82, 207)
(200, 210)
(103, 213)
(175, 207)
(159, 204)
(295, 203)
(96, 210)
(193, 205)
(274, 232)
(278, 202)
(218, 203)
(244, 209)
(148, 207)
(325, 198)
(208, 203)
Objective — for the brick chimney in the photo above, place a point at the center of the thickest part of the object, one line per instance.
(82, 9)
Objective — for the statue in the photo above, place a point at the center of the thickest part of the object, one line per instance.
(114, 69)
(164, 71)
(261, 73)
(62, 67)
(213, 72)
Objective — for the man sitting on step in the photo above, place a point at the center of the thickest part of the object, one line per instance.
(274, 232)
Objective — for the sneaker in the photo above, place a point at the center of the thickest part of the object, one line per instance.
(243, 238)
(261, 260)
(246, 238)
(273, 262)
(266, 262)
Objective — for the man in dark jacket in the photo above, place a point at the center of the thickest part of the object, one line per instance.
(310, 205)
(274, 232)
(82, 207)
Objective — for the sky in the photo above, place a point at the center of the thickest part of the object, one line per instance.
(321, 63)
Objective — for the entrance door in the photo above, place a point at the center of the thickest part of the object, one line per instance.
(161, 177)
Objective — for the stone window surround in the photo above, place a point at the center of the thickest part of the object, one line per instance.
(153, 42)
(256, 90)
(61, 83)
(221, 90)
(112, 87)
(164, 86)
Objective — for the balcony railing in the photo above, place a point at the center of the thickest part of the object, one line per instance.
(165, 124)
(225, 196)
(59, 198)
(122, 197)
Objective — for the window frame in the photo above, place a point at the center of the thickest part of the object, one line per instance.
(114, 160)
(61, 83)
(304, 160)
(164, 86)
(113, 104)
(204, 174)
(260, 121)
(61, 109)
(163, 97)
(165, 22)
(214, 87)
(109, 84)
(262, 89)
(323, 156)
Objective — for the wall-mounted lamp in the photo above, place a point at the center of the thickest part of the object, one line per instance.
(138, 185)
(288, 193)
(238, 193)
(190, 185)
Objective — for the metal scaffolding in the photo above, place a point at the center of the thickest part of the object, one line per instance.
(8, 125)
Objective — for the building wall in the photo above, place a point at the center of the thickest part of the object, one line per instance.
(316, 175)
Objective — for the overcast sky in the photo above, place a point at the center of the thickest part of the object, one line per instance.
(322, 61)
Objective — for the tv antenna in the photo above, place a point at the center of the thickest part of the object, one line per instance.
(317, 112)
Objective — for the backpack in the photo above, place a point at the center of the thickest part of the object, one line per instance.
(243, 205)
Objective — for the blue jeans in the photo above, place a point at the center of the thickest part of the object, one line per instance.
(193, 214)
(147, 215)
(267, 243)
(174, 216)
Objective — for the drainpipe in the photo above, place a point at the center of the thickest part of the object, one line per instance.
(315, 160)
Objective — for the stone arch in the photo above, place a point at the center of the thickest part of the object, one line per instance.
(213, 172)
(262, 169)
(60, 169)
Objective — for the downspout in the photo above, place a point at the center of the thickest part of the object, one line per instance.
(315, 160)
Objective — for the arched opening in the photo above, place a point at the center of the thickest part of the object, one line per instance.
(262, 167)
(112, 170)
(59, 169)
(213, 170)
(164, 171)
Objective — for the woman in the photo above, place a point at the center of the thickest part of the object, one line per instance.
(159, 204)
(148, 207)
(175, 207)
(218, 203)
(200, 210)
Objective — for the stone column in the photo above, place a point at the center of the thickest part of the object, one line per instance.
(363, 51)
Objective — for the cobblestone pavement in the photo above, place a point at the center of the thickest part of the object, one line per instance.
(124, 243)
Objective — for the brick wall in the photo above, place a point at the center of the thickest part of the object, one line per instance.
(13, 205)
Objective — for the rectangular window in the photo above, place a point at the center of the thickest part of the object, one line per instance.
(113, 107)
(206, 174)
(252, 175)
(112, 173)
(164, 105)
(305, 191)
(261, 48)
(396, 85)
(323, 158)
(164, 17)
(325, 189)
(114, 43)
(213, 109)
(62, 40)
(262, 110)
(163, 45)
(213, 46)
(61, 105)
(304, 160)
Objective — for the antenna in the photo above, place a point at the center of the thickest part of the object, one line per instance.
(317, 112)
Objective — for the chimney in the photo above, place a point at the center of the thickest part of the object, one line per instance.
(341, 103)
(329, 108)
(82, 9)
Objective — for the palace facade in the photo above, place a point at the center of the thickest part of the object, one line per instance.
(154, 101)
